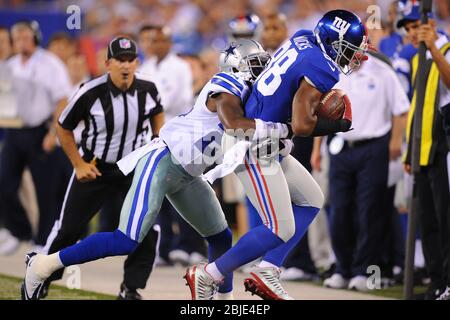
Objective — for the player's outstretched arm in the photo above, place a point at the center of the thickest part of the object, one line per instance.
(231, 115)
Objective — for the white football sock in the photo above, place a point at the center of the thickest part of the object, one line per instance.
(44, 265)
(266, 264)
(212, 269)
(224, 296)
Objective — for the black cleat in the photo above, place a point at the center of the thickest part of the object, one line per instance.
(128, 294)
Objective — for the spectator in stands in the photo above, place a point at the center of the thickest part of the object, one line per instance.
(100, 58)
(393, 42)
(145, 44)
(62, 45)
(78, 70)
(274, 31)
(442, 10)
(210, 58)
(5, 44)
(199, 78)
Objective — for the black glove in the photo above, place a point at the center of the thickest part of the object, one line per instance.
(325, 126)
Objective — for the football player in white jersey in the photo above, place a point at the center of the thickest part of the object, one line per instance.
(171, 166)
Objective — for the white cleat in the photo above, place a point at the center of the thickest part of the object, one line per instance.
(32, 284)
(4, 234)
(295, 274)
(445, 295)
(336, 281)
(9, 244)
(179, 256)
(358, 283)
(265, 283)
(202, 284)
(197, 258)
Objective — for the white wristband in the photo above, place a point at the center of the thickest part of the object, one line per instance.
(265, 129)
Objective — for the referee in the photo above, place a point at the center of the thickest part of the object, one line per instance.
(118, 110)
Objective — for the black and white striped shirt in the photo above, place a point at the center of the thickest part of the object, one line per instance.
(116, 122)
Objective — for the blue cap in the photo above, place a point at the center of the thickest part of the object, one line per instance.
(409, 11)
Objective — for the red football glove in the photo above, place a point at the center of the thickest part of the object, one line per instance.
(348, 109)
(346, 121)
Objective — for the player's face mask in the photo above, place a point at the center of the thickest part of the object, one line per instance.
(348, 56)
(256, 63)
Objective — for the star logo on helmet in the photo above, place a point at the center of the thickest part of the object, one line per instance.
(230, 50)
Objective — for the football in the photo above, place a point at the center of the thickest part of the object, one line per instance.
(332, 105)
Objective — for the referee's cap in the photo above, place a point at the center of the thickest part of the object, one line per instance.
(122, 46)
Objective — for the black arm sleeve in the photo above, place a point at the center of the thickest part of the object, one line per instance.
(325, 126)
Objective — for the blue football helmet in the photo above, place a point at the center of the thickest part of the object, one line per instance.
(343, 37)
(247, 27)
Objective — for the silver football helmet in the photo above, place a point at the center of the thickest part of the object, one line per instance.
(244, 57)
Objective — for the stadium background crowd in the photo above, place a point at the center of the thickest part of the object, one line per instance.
(199, 30)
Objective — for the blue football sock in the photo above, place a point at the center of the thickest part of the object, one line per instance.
(252, 245)
(303, 217)
(218, 244)
(96, 246)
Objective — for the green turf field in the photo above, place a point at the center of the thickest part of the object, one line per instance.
(396, 292)
(10, 290)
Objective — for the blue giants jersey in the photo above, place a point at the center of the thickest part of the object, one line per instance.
(273, 92)
(391, 45)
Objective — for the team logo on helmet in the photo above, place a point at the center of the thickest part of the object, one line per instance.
(230, 50)
(340, 26)
(124, 43)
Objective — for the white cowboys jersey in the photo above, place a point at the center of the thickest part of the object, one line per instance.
(194, 138)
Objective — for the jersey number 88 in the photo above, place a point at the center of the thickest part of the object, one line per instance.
(270, 79)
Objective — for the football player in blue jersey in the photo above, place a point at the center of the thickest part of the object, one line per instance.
(285, 195)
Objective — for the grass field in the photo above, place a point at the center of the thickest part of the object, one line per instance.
(10, 290)
(396, 292)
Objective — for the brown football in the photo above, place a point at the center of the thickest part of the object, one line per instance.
(332, 104)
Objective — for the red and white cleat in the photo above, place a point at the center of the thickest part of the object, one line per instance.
(202, 284)
(265, 283)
